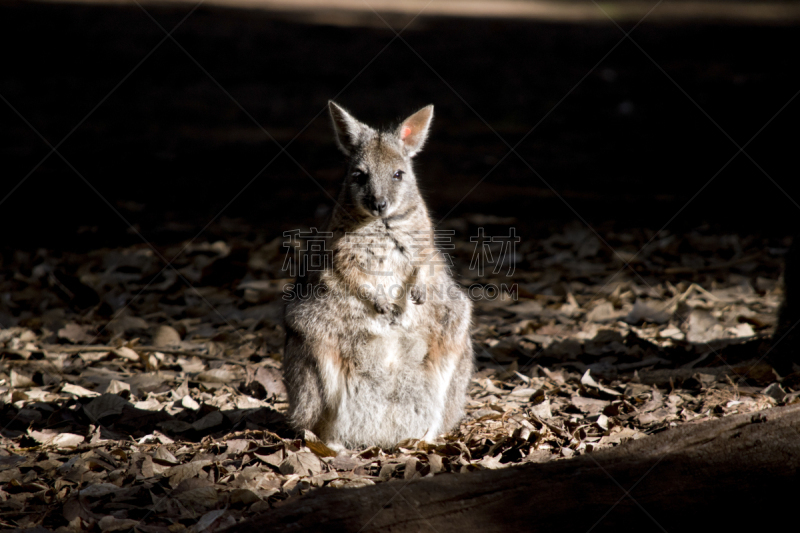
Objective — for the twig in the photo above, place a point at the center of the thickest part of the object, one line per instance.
(57, 348)
(710, 268)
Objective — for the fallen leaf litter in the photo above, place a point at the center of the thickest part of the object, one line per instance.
(136, 395)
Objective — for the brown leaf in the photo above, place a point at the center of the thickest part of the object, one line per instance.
(344, 462)
(702, 327)
(603, 313)
(59, 440)
(587, 380)
(435, 462)
(412, 468)
(199, 498)
(177, 474)
(117, 387)
(163, 456)
(269, 379)
(126, 353)
(542, 409)
(211, 420)
(105, 405)
(589, 406)
(313, 443)
(166, 336)
(302, 463)
(21, 381)
(7, 474)
(216, 375)
(274, 459)
(237, 446)
(78, 391)
(321, 479)
(76, 334)
(110, 523)
(124, 324)
(98, 490)
(643, 310)
(243, 497)
(207, 520)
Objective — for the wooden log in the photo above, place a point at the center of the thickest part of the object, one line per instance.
(736, 472)
(784, 352)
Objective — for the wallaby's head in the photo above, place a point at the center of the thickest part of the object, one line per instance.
(380, 181)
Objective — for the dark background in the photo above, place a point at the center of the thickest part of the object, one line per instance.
(170, 152)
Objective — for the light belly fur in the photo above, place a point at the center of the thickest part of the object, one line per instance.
(384, 399)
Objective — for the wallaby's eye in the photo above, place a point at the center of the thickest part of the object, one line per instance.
(360, 176)
(398, 176)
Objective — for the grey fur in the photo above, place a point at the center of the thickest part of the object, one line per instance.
(383, 352)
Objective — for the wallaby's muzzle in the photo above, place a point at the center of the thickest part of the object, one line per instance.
(380, 205)
(376, 205)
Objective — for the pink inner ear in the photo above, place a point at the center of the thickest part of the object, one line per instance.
(406, 132)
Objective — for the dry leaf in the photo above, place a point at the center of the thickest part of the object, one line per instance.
(110, 523)
(104, 406)
(166, 336)
(76, 334)
(301, 463)
(126, 353)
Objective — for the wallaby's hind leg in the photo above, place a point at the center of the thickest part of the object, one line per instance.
(314, 372)
(303, 383)
(457, 391)
(458, 338)
(451, 356)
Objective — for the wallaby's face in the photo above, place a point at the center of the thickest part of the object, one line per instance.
(380, 182)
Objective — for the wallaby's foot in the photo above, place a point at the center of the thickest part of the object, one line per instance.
(430, 437)
(417, 294)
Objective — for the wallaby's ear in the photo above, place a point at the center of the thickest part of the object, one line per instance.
(349, 131)
(414, 130)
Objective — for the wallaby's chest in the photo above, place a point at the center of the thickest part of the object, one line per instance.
(378, 254)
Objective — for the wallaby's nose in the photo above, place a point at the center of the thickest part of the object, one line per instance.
(380, 205)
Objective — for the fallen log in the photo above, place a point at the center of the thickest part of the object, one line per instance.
(739, 471)
(783, 353)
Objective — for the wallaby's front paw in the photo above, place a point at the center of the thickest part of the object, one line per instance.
(417, 294)
(383, 306)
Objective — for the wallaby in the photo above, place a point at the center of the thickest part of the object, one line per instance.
(380, 350)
